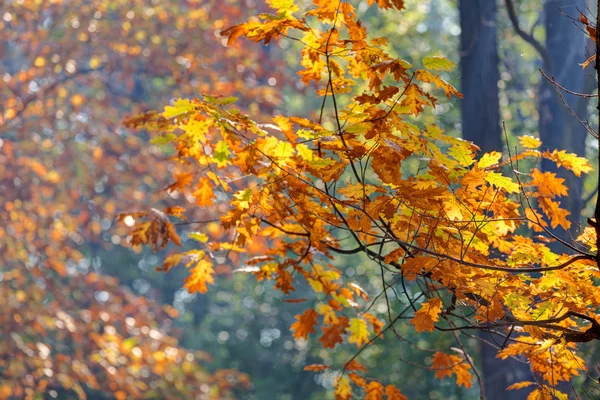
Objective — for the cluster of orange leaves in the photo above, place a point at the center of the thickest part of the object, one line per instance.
(368, 177)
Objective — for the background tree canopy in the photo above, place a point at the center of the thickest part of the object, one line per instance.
(336, 236)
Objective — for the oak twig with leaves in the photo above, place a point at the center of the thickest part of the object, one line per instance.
(367, 177)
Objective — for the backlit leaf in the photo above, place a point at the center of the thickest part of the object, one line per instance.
(305, 324)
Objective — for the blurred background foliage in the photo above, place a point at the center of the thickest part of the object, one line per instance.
(83, 314)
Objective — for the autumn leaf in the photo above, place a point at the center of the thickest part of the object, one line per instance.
(520, 385)
(438, 63)
(368, 174)
(445, 365)
(200, 276)
(427, 315)
(179, 107)
(426, 76)
(343, 390)
(393, 393)
(358, 332)
(570, 161)
(462, 153)
(489, 159)
(502, 182)
(413, 99)
(547, 184)
(332, 333)
(204, 194)
(374, 391)
(305, 324)
(316, 367)
(529, 142)
(182, 180)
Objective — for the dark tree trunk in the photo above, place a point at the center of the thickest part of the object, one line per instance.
(565, 44)
(481, 124)
(479, 72)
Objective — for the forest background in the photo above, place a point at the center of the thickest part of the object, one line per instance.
(74, 293)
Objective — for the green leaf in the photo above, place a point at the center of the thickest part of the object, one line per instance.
(223, 101)
(163, 139)
(462, 153)
(438, 63)
(221, 154)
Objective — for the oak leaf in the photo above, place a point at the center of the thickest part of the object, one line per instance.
(305, 324)
(358, 331)
(427, 315)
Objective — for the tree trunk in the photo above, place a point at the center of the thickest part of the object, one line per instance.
(481, 124)
(479, 72)
(565, 44)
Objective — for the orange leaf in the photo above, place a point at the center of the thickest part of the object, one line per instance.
(393, 393)
(445, 365)
(204, 193)
(374, 391)
(332, 334)
(316, 367)
(428, 314)
(305, 324)
(200, 276)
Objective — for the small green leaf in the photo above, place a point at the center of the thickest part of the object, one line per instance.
(438, 63)
(223, 101)
(163, 139)
(221, 154)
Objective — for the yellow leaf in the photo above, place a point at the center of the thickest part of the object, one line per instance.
(530, 142)
(198, 236)
(287, 6)
(276, 149)
(502, 182)
(180, 106)
(358, 331)
(489, 159)
(569, 161)
(329, 316)
(304, 152)
(343, 390)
